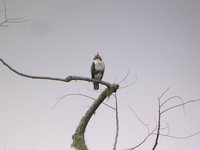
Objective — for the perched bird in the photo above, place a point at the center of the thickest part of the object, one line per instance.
(97, 70)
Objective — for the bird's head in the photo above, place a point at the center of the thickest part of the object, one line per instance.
(97, 56)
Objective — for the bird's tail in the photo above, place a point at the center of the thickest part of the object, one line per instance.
(96, 86)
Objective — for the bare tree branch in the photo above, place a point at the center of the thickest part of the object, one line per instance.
(143, 141)
(157, 130)
(159, 124)
(171, 98)
(174, 97)
(161, 112)
(127, 85)
(182, 104)
(79, 94)
(179, 137)
(67, 79)
(117, 123)
(144, 124)
(140, 120)
(7, 20)
(78, 137)
(124, 78)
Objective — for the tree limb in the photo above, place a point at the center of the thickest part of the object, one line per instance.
(158, 128)
(7, 20)
(117, 123)
(67, 79)
(78, 137)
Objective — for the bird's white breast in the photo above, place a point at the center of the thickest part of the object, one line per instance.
(99, 65)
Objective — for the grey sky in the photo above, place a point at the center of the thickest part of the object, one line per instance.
(159, 41)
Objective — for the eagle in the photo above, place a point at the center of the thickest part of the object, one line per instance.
(97, 70)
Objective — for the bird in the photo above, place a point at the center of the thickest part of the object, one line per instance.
(97, 70)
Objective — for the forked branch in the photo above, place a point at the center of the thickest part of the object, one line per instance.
(78, 137)
(5, 21)
(161, 112)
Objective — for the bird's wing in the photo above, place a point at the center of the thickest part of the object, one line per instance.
(92, 70)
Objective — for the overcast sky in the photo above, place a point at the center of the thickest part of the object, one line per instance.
(158, 41)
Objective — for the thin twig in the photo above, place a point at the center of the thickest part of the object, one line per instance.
(143, 141)
(179, 137)
(191, 101)
(165, 92)
(131, 84)
(10, 20)
(146, 125)
(173, 97)
(117, 123)
(159, 125)
(140, 120)
(5, 11)
(160, 113)
(124, 78)
(78, 94)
